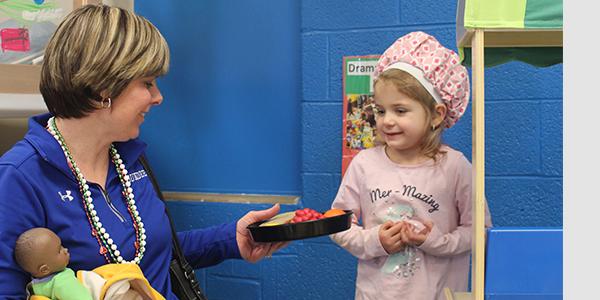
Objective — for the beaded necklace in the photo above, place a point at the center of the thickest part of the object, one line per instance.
(107, 246)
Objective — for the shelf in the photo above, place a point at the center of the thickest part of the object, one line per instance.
(510, 37)
(21, 105)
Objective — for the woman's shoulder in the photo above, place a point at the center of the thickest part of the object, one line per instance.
(16, 156)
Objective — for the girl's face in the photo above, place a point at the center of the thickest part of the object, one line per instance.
(401, 122)
(130, 107)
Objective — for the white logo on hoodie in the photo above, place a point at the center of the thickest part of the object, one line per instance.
(66, 197)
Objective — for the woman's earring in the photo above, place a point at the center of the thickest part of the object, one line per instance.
(106, 103)
(433, 127)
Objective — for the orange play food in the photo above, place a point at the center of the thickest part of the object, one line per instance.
(333, 212)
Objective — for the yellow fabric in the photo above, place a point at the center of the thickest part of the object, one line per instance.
(495, 13)
(37, 297)
(115, 272)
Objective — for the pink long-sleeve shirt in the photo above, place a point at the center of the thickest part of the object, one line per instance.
(439, 192)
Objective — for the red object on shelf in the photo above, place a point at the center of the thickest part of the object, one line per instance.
(15, 39)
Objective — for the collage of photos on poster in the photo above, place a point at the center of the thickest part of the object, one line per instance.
(360, 122)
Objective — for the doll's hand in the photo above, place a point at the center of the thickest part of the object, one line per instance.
(412, 237)
(249, 249)
(389, 236)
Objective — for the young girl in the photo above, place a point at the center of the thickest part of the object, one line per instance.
(412, 194)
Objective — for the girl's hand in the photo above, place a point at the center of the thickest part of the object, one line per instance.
(389, 236)
(250, 250)
(410, 237)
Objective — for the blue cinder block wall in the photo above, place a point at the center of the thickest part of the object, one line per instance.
(523, 143)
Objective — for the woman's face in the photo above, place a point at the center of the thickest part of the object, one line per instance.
(128, 110)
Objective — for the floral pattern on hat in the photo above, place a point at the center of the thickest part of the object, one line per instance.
(441, 67)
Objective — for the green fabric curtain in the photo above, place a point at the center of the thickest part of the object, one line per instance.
(515, 14)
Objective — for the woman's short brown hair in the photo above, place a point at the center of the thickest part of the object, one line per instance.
(95, 52)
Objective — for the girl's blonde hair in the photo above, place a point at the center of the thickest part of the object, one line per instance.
(98, 49)
(409, 86)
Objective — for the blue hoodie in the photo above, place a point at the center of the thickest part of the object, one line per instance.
(37, 189)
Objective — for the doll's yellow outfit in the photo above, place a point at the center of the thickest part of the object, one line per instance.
(115, 282)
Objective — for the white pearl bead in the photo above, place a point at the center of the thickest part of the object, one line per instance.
(88, 199)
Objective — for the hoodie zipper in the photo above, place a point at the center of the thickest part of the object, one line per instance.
(110, 205)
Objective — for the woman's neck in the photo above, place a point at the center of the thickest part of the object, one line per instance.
(88, 145)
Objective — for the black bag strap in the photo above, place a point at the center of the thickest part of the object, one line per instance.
(191, 291)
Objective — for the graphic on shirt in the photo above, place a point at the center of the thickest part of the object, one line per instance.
(137, 175)
(66, 196)
(404, 263)
(407, 191)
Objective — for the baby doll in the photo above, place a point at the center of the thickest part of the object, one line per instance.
(40, 252)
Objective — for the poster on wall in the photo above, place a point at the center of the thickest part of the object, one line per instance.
(26, 26)
(358, 129)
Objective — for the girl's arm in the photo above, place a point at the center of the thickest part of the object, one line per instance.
(360, 242)
(457, 241)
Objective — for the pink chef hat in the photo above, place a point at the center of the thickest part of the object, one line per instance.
(437, 68)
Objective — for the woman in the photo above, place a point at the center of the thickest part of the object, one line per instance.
(70, 172)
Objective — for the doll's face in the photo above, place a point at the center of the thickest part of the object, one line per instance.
(49, 254)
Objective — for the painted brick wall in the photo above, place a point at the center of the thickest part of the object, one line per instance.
(523, 146)
(523, 107)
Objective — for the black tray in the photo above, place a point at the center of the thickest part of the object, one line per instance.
(302, 230)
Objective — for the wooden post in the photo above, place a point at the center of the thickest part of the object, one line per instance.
(478, 139)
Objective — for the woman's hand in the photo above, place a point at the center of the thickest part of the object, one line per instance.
(389, 236)
(249, 249)
(410, 237)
